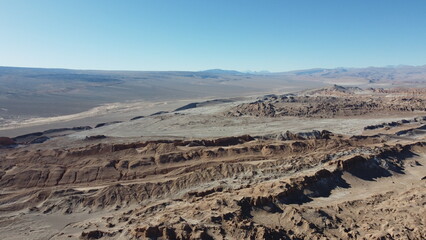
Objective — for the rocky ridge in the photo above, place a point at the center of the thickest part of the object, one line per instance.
(244, 187)
(333, 102)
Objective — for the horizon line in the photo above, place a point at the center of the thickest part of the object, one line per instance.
(210, 69)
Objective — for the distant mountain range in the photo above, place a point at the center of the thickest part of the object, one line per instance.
(222, 71)
(400, 74)
(395, 74)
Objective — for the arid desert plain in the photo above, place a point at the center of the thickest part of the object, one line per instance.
(310, 154)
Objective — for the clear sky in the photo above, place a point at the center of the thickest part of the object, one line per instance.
(274, 35)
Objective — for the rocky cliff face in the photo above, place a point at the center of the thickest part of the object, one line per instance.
(227, 188)
(275, 184)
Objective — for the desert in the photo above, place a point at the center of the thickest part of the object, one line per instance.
(212, 120)
(318, 163)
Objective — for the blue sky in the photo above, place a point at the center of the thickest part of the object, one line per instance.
(274, 35)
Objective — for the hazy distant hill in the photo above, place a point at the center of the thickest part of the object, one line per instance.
(391, 75)
(221, 71)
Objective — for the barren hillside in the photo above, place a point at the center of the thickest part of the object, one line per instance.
(259, 182)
